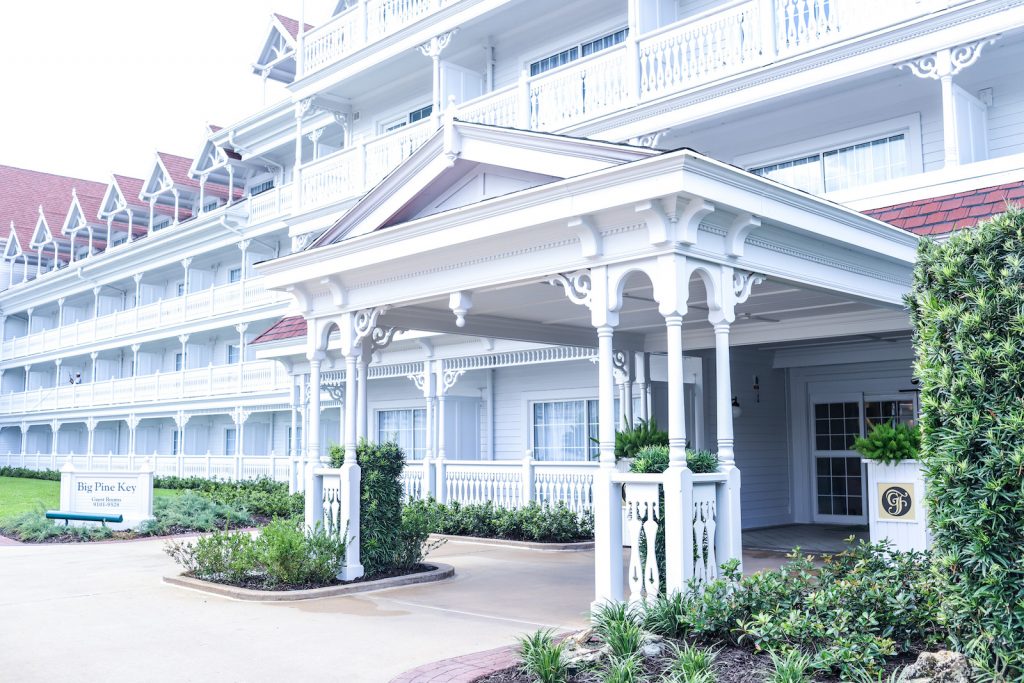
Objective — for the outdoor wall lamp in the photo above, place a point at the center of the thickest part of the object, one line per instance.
(736, 410)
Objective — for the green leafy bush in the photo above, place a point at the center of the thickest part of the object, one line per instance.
(630, 440)
(849, 615)
(890, 444)
(34, 527)
(966, 310)
(542, 658)
(533, 522)
(655, 460)
(262, 497)
(189, 511)
(25, 473)
(282, 555)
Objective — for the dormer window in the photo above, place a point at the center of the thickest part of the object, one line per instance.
(161, 223)
(210, 205)
(262, 187)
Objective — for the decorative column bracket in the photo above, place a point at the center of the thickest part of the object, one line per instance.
(743, 282)
(578, 285)
(948, 61)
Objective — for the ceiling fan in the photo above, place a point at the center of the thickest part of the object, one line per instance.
(740, 316)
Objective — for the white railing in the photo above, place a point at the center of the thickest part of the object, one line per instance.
(270, 204)
(354, 30)
(506, 483)
(579, 91)
(350, 172)
(206, 466)
(201, 305)
(703, 50)
(222, 380)
(701, 524)
(498, 108)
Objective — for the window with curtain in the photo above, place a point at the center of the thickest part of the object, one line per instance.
(407, 428)
(843, 168)
(564, 430)
(230, 440)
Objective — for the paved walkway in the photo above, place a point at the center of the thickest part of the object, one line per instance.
(116, 621)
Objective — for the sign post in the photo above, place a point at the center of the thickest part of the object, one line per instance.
(129, 494)
(897, 510)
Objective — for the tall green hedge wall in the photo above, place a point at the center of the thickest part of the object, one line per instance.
(967, 309)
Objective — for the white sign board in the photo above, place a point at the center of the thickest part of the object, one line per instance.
(129, 494)
(897, 510)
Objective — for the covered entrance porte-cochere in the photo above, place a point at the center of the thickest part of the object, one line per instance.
(633, 250)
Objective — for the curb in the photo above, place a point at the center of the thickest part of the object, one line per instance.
(440, 572)
(464, 669)
(524, 545)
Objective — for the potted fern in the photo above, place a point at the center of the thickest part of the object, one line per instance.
(896, 485)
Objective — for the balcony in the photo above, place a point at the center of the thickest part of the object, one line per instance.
(360, 26)
(202, 305)
(212, 381)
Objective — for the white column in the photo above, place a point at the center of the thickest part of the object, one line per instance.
(676, 380)
(440, 471)
(350, 473)
(678, 479)
(314, 485)
(729, 519)
(90, 426)
(607, 504)
(361, 380)
(606, 395)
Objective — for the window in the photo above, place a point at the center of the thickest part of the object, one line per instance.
(573, 53)
(292, 448)
(839, 479)
(893, 412)
(118, 241)
(407, 427)
(230, 441)
(842, 168)
(234, 275)
(210, 205)
(161, 222)
(232, 353)
(180, 289)
(565, 430)
(261, 187)
(178, 362)
(176, 442)
(405, 120)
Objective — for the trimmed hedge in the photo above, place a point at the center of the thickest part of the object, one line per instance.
(967, 309)
(533, 522)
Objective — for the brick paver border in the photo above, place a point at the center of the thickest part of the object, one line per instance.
(464, 669)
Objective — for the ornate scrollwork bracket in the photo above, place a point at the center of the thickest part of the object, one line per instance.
(743, 282)
(577, 285)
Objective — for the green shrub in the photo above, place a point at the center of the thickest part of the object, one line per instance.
(283, 555)
(789, 668)
(691, 664)
(542, 658)
(849, 615)
(890, 444)
(630, 440)
(262, 497)
(655, 460)
(34, 527)
(625, 670)
(966, 310)
(189, 511)
(533, 522)
(25, 473)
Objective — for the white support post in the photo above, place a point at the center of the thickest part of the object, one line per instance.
(350, 472)
(440, 465)
(314, 502)
(527, 476)
(607, 504)
(729, 521)
(678, 479)
(362, 425)
(90, 439)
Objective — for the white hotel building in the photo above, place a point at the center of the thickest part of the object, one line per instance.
(162, 317)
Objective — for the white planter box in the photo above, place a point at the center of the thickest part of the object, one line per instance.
(897, 511)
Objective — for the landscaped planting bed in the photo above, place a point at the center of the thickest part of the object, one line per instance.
(554, 524)
(858, 616)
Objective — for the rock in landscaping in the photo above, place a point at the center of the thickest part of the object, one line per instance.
(938, 667)
(654, 646)
(580, 651)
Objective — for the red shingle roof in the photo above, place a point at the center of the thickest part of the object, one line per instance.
(178, 168)
(291, 25)
(942, 215)
(285, 328)
(22, 192)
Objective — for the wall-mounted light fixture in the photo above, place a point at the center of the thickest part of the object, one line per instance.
(757, 390)
(736, 410)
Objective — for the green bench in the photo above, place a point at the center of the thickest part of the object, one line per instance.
(83, 517)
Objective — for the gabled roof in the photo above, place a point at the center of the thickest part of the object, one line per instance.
(41, 234)
(122, 193)
(278, 50)
(285, 328)
(943, 214)
(169, 170)
(12, 247)
(84, 209)
(23, 191)
(291, 26)
(450, 169)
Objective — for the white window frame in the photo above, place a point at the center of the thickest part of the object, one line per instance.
(391, 406)
(179, 361)
(231, 275)
(555, 48)
(176, 441)
(237, 353)
(908, 126)
(555, 395)
(231, 432)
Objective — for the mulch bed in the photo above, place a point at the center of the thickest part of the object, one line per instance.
(258, 584)
(732, 665)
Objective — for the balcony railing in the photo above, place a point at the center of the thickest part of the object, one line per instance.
(270, 204)
(209, 466)
(220, 300)
(211, 381)
(360, 26)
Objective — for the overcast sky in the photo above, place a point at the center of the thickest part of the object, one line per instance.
(91, 87)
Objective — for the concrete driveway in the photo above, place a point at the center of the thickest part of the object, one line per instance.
(99, 612)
